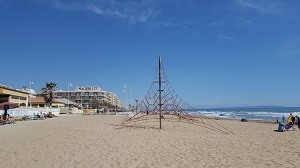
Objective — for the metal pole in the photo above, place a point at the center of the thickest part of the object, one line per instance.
(159, 91)
(81, 99)
(124, 105)
(29, 92)
(136, 104)
(115, 101)
(68, 95)
(131, 97)
(126, 97)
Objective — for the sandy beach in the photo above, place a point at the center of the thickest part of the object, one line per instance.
(93, 141)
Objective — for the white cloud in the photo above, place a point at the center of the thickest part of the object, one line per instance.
(167, 24)
(126, 13)
(104, 12)
(144, 11)
(263, 7)
(242, 22)
(222, 37)
(61, 5)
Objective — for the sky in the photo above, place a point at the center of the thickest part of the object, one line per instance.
(215, 53)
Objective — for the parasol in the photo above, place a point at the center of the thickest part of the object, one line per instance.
(5, 103)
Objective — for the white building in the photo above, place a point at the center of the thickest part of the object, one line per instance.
(88, 97)
(113, 99)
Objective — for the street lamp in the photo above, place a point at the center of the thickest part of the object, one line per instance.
(136, 105)
(69, 84)
(81, 99)
(31, 83)
(125, 96)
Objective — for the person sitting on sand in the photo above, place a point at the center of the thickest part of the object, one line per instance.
(5, 120)
(50, 115)
(4, 117)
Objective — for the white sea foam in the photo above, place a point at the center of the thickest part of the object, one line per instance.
(257, 115)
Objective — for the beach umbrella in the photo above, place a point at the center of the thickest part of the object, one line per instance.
(5, 103)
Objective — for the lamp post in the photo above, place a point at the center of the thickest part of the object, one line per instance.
(131, 97)
(136, 105)
(69, 84)
(115, 103)
(31, 83)
(125, 96)
(81, 99)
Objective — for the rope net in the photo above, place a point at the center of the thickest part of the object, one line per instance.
(173, 109)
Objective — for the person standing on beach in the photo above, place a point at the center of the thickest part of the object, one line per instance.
(290, 119)
(298, 123)
(293, 119)
(5, 114)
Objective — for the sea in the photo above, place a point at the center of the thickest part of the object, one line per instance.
(269, 113)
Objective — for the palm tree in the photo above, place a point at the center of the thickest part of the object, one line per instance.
(48, 92)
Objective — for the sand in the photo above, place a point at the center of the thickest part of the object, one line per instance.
(92, 141)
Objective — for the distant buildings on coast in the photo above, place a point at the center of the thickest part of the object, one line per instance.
(90, 97)
(14, 96)
(83, 97)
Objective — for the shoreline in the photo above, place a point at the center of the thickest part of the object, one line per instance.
(239, 119)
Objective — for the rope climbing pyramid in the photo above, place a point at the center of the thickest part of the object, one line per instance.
(162, 104)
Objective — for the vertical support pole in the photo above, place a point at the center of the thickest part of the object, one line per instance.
(69, 96)
(30, 92)
(159, 92)
(124, 91)
(81, 99)
(136, 104)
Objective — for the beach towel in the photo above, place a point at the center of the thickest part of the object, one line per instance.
(288, 126)
(5, 122)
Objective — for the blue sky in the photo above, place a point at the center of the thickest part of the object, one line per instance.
(216, 53)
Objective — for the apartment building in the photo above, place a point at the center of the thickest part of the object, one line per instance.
(113, 100)
(88, 97)
(8, 94)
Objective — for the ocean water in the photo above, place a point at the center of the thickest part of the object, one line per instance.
(250, 113)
